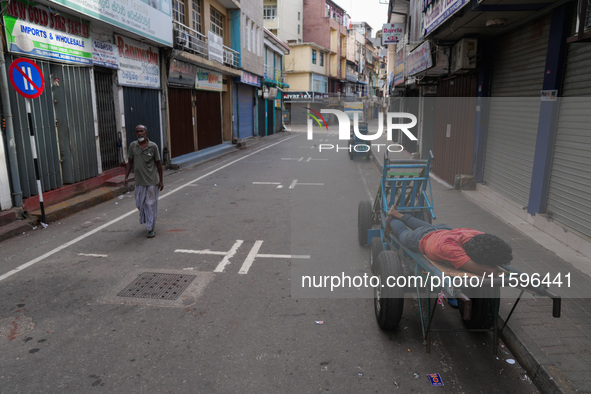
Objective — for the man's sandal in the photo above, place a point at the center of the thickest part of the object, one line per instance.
(151, 234)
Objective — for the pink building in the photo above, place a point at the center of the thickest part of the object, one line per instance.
(325, 23)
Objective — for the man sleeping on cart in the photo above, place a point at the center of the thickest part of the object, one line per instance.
(463, 248)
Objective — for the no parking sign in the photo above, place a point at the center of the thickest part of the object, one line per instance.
(26, 78)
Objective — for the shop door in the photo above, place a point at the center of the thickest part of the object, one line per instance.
(180, 108)
(453, 139)
(111, 155)
(74, 120)
(209, 119)
(270, 117)
(517, 79)
(569, 193)
(142, 106)
(245, 111)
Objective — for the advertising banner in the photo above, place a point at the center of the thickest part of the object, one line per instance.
(392, 33)
(249, 79)
(148, 18)
(138, 64)
(104, 54)
(181, 74)
(35, 30)
(208, 80)
(215, 47)
(439, 12)
(420, 59)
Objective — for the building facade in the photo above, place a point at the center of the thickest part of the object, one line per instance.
(512, 104)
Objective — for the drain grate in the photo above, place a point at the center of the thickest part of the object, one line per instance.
(157, 286)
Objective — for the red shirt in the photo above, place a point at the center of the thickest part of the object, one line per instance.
(446, 245)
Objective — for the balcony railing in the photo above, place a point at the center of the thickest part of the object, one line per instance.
(273, 74)
(192, 41)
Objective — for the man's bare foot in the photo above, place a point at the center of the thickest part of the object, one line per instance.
(393, 213)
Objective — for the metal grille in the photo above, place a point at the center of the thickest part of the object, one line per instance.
(517, 79)
(107, 128)
(157, 286)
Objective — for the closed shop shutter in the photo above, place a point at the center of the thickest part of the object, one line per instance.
(517, 79)
(569, 194)
(245, 111)
(142, 106)
(209, 119)
(182, 139)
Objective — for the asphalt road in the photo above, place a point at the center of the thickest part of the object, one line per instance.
(244, 230)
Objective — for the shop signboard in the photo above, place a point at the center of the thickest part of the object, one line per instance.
(439, 11)
(208, 80)
(148, 18)
(104, 54)
(37, 31)
(420, 59)
(138, 64)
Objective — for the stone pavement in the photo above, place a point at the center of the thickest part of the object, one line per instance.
(556, 352)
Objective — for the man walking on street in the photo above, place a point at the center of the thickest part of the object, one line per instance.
(144, 158)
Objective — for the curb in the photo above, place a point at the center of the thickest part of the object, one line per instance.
(544, 379)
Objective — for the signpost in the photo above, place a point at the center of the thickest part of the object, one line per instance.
(27, 79)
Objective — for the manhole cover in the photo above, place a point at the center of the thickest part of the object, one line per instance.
(157, 286)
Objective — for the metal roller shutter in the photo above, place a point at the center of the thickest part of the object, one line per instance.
(245, 111)
(569, 194)
(517, 79)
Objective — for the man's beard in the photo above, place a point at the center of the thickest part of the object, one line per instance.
(141, 139)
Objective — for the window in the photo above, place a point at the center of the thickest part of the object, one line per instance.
(269, 12)
(196, 15)
(313, 56)
(321, 59)
(217, 22)
(178, 11)
(298, 29)
(299, 15)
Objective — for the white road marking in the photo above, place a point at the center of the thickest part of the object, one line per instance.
(204, 251)
(226, 260)
(253, 254)
(93, 255)
(287, 158)
(295, 182)
(309, 159)
(250, 258)
(227, 255)
(102, 227)
(284, 256)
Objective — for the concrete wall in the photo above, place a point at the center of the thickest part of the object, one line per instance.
(287, 21)
(299, 82)
(251, 24)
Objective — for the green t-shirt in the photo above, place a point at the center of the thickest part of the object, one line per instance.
(144, 163)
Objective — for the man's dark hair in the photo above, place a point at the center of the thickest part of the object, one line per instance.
(489, 250)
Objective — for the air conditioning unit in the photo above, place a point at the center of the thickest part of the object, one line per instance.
(181, 39)
(463, 55)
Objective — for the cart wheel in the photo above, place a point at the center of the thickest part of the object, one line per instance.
(388, 301)
(374, 252)
(482, 317)
(364, 221)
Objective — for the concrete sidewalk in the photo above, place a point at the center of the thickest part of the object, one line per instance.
(556, 352)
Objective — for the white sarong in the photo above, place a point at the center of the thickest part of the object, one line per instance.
(146, 200)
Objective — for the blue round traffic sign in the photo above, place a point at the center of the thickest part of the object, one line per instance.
(26, 77)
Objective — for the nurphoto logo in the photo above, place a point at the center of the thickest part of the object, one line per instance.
(344, 121)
